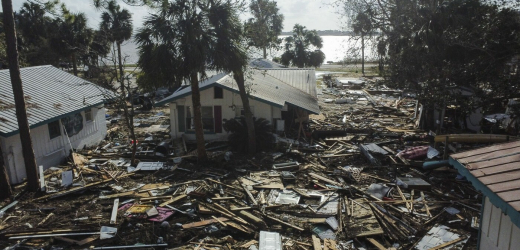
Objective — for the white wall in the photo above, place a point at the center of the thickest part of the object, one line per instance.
(260, 110)
(497, 230)
(50, 152)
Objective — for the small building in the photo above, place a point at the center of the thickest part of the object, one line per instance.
(495, 171)
(276, 94)
(63, 111)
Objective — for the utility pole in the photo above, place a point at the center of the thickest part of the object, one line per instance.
(19, 100)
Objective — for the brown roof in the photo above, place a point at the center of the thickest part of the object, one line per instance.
(498, 168)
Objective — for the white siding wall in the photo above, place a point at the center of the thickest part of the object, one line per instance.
(260, 110)
(498, 232)
(51, 152)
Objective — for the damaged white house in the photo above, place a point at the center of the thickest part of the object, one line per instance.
(280, 95)
(64, 112)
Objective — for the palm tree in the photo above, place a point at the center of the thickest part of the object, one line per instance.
(73, 35)
(198, 35)
(116, 23)
(266, 25)
(362, 25)
(303, 48)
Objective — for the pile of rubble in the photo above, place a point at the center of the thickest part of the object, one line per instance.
(365, 179)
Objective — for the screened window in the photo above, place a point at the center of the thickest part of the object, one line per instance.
(88, 115)
(54, 129)
(208, 122)
(218, 92)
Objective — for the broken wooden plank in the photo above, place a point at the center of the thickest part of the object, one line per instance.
(319, 177)
(113, 218)
(45, 219)
(174, 199)
(316, 243)
(219, 221)
(203, 223)
(425, 205)
(285, 223)
(249, 243)
(376, 244)
(449, 243)
(329, 244)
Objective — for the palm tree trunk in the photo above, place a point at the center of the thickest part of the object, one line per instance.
(197, 117)
(74, 66)
(363, 54)
(5, 184)
(19, 100)
(265, 52)
(128, 117)
(239, 78)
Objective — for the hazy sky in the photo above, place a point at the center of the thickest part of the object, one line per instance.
(314, 14)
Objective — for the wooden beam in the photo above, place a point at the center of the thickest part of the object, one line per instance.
(376, 244)
(316, 243)
(113, 218)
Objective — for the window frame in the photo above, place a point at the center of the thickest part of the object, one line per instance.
(50, 129)
(88, 113)
(190, 125)
(220, 92)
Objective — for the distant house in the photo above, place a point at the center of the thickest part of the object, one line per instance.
(63, 111)
(279, 95)
(495, 171)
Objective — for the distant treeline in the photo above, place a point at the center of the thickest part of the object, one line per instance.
(325, 33)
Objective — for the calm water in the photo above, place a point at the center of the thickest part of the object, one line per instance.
(335, 48)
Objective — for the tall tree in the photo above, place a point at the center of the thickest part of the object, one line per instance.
(19, 97)
(116, 23)
(363, 27)
(73, 36)
(230, 55)
(266, 25)
(196, 35)
(303, 48)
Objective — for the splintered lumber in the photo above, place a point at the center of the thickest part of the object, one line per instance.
(376, 244)
(475, 138)
(219, 221)
(222, 198)
(316, 243)
(319, 177)
(44, 220)
(233, 208)
(248, 244)
(285, 223)
(87, 240)
(403, 198)
(240, 227)
(363, 221)
(174, 199)
(329, 244)
(301, 192)
(204, 222)
(76, 189)
(113, 218)
(251, 197)
(449, 243)
(124, 194)
(425, 205)
(250, 216)
(223, 184)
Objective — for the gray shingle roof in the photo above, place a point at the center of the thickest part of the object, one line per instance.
(265, 88)
(50, 94)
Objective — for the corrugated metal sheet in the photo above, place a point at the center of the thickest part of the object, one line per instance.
(264, 87)
(302, 79)
(498, 168)
(49, 93)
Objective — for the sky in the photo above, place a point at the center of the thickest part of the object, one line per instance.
(314, 14)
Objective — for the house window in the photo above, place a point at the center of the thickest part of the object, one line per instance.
(208, 123)
(54, 129)
(218, 92)
(239, 111)
(88, 115)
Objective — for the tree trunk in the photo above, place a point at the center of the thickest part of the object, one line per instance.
(363, 54)
(74, 66)
(5, 184)
(239, 78)
(265, 52)
(129, 118)
(197, 117)
(19, 100)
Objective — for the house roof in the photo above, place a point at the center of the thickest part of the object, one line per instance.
(265, 64)
(50, 94)
(495, 171)
(265, 88)
(303, 79)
